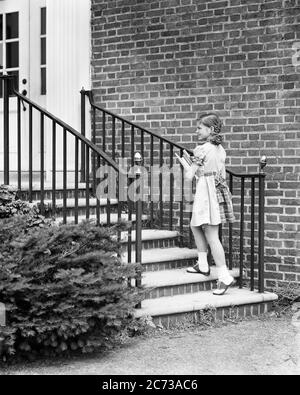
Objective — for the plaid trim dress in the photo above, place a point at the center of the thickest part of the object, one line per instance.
(225, 200)
(213, 200)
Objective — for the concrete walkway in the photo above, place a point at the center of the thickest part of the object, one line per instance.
(268, 346)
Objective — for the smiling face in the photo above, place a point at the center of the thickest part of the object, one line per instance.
(203, 132)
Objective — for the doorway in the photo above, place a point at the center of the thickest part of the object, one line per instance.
(23, 40)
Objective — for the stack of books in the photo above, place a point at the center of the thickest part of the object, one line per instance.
(185, 160)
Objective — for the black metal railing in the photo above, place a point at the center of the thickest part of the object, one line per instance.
(255, 222)
(120, 137)
(76, 173)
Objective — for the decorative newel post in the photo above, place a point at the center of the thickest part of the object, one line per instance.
(138, 240)
(263, 163)
(261, 229)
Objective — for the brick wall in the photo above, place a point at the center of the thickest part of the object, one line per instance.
(162, 63)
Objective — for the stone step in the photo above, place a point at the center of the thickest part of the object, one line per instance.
(155, 259)
(81, 202)
(48, 191)
(103, 219)
(70, 206)
(48, 186)
(152, 238)
(36, 177)
(173, 309)
(178, 282)
(151, 234)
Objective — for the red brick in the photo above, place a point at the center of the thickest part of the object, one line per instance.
(233, 57)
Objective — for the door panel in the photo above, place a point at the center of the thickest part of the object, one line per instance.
(46, 44)
(14, 38)
(21, 36)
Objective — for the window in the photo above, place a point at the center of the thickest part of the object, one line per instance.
(12, 25)
(43, 51)
(9, 47)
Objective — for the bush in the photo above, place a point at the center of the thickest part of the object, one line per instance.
(11, 205)
(288, 294)
(65, 288)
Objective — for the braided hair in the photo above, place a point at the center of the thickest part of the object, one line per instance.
(213, 120)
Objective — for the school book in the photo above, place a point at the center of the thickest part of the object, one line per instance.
(186, 161)
(187, 157)
(186, 165)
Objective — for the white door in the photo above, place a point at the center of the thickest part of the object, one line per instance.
(46, 45)
(23, 54)
(14, 60)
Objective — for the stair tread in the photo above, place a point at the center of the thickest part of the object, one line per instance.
(201, 300)
(81, 202)
(151, 234)
(164, 278)
(153, 255)
(103, 218)
(48, 187)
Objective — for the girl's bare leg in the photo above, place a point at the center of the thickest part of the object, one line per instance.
(200, 238)
(212, 236)
(202, 248)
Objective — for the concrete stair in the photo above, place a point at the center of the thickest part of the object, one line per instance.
(70, 206)
(151, 239)
(236, 302)
(165, 258)
(102, 218)
(179, 282)
(172, 294)
(36, 191)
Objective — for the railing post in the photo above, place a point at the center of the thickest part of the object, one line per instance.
(82, 172)
(230, 228)
(6, 80)
(242, 227)
(261, 229)
(138, 238)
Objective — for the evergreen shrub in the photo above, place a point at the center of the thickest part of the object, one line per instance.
(65, 288)
(11, 205)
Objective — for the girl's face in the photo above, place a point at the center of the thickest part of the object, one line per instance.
(203, 132)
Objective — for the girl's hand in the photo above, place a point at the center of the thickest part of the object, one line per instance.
(199, 160)
(190, 173)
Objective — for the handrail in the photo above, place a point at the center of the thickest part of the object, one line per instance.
(242, 178)
(70, 129)
(91, 99)
(92, 159)
(90, 95)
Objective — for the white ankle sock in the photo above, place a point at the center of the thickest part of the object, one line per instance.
(202, 261)
(224, 275)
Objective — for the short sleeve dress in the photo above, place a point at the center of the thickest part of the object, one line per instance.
(213, 200)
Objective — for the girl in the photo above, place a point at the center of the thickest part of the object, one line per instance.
(212, 203)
